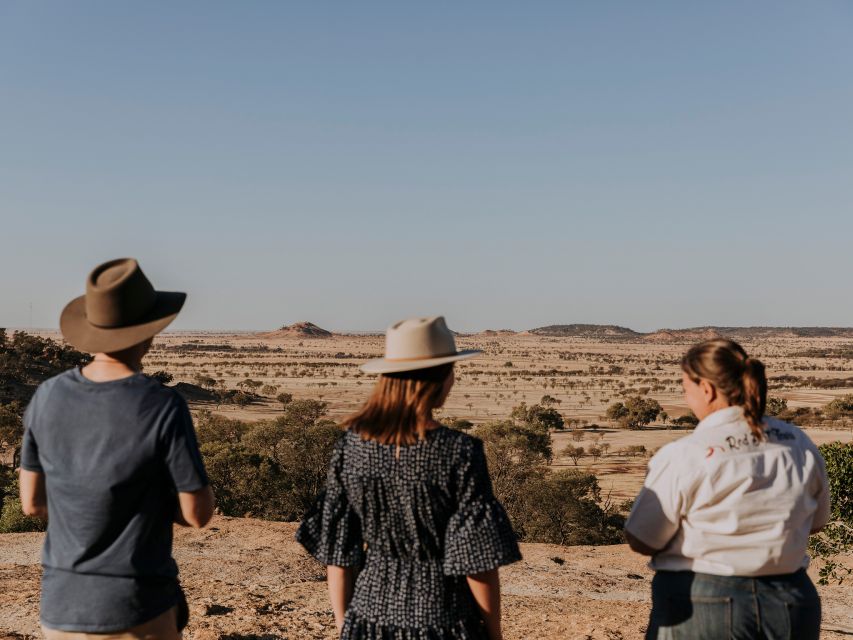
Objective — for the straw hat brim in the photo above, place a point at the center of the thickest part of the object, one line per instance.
(383, 365)
(83, 335)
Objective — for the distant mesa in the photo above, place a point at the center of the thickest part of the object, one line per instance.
(491, 333)
(298, 330)
(609, 332)
(605, 331)
(683, 335)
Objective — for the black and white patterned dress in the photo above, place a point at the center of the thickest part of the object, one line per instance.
(416, 524)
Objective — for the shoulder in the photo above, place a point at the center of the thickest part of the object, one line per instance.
(459, 444)
(43, 391)
(156, 393)
(683, 451)
(781, 432)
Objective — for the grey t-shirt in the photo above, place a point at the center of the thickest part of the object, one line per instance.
(113, 455)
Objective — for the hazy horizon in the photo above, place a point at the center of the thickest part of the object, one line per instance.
(671, 165)
(345, 331)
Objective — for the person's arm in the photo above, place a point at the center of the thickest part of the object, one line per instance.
(638, 546)
(824, 506)
(33, 494)
(655, 517)
(195, 508)
(486, 589)
(341, 581)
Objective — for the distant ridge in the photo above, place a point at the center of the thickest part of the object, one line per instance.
(496, 332)
(608, 331)
(695, 334)
(298, 330)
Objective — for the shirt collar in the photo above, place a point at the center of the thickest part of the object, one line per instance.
(720, 417)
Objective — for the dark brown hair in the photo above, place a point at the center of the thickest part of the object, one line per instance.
(400, 407)
(739, 378)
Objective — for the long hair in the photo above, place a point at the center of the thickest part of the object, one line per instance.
(400, 407)
(739, 378)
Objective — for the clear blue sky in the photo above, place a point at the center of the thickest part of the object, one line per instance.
(655, 164)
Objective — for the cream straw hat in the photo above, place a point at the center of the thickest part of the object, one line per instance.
(417, 343)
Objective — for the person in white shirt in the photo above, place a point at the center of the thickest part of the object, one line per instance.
(725, 513)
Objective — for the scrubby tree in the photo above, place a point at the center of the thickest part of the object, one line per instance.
(776, 406)
(537, 417)
(594, 452)
(574, 453)
(163, 377)
(460, 424)
(565, 507)
(515, 454)
(635, 412)
(840, 408)
(687, 420)
(548, 401)
(205, 381)
(284, 399)
(835, 542)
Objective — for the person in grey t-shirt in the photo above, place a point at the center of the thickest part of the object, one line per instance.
(111, 457)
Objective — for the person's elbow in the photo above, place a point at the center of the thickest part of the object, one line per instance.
(638, 546)
(34, 509)
(197, 507)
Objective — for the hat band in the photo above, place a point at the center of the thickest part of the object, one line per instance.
(432, 357)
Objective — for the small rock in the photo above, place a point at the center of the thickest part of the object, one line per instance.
(217, 610)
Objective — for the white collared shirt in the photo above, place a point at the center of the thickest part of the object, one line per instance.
(720, 501)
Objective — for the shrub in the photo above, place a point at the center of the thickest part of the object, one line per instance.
(635, 412)
(836, 539)
(537, 417)
(270, 469)
(12, 518)
(564, 507)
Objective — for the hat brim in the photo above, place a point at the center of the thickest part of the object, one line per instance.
(83, 335)
(382, 365)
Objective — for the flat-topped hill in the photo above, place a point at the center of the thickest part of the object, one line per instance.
(298, 330)
(610, 332)
(248, 579)
(598, 331)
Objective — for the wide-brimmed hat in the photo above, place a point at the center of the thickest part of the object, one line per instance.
(417, 343)
(120, 309)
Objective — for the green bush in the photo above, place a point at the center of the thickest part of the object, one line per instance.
(565, 507)
(836, 539)
(12, 518)
(562, 507)
(270, 469)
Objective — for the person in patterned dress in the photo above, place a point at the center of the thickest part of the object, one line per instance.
(408, 525)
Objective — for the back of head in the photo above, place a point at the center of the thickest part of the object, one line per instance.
(400, 408)
(739, 378)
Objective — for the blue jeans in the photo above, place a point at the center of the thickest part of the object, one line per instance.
(699, 606)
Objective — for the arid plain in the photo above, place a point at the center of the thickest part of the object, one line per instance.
(248, 579)
(584, 375)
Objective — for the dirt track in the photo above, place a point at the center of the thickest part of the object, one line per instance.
(248, 579)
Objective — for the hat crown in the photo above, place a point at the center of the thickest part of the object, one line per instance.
(418, 339)
(118, 294)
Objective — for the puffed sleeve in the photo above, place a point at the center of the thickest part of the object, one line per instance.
(479, 536)
(331, 529)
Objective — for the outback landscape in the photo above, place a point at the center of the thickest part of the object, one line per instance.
(572, 411)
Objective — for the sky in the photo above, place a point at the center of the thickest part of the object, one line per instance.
(507, 165)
